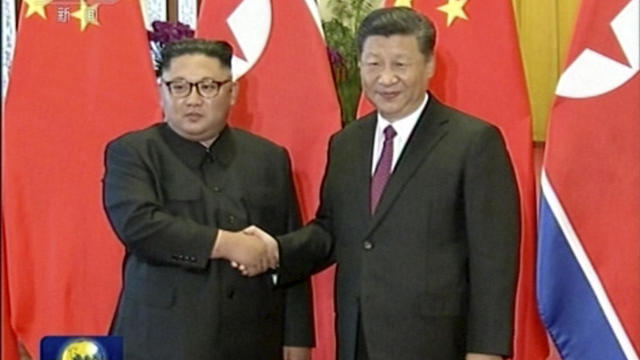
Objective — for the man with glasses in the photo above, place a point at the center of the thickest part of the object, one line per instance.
(178, 195)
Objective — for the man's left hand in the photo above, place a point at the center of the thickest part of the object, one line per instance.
(296, 353)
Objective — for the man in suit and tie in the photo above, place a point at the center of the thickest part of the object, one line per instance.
(419, 211)
(176, 194)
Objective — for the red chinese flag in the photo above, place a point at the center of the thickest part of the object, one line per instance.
(81, 75)
(479, 71)
(287, 95)
(9, 341)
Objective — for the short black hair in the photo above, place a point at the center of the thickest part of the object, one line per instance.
(216, 49)
(400, 20)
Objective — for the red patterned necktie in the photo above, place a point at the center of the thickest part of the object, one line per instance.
(383, 168)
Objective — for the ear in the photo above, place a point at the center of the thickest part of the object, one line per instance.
(431, 66)
(161, 99)
(160, 93)
(234, 91)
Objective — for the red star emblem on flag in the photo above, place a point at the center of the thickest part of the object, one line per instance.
(601, 39)
(225, 32)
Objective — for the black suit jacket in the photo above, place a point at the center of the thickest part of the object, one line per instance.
(166, 197)
(431, 274)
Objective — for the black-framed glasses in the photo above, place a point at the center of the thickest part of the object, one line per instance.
(206, 88)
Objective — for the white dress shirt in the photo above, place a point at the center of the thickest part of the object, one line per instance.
(403, 128)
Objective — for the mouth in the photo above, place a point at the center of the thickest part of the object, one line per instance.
(388, 95)
(193, 116)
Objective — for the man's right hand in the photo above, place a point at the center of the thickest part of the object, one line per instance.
(271, 243)
(253, 254)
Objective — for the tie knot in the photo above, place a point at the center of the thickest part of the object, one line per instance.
(389, 133)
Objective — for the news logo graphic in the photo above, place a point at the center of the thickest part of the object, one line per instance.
(81, 348)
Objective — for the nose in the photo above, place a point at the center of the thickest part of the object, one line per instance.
(387, 76)
(194, 97)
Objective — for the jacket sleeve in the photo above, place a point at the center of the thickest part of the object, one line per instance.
(136, 213)
(309, 249)
(298, 318)
(492, 223)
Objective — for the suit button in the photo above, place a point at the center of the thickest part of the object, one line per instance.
(231, 219)
(367, 245)
(216, 189)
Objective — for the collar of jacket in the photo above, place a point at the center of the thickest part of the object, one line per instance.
(193, 153)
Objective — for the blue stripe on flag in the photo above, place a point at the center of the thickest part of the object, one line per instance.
(566, 302)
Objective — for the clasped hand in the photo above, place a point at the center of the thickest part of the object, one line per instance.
(252, 251)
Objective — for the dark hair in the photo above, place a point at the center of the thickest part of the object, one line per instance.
(220, 50)
(398, 21)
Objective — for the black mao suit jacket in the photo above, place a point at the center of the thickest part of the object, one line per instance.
(166, 197)
(431, 274)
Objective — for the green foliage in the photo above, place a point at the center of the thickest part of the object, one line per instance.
(340, 36)
(350, 12)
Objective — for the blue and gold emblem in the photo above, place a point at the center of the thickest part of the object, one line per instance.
(81, 348)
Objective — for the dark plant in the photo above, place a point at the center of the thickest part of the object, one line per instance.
(165, 32)
(340, 36)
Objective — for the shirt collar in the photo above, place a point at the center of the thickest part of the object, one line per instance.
(404, 126)
(193, 153)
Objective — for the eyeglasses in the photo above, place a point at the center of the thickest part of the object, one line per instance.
(206, 88)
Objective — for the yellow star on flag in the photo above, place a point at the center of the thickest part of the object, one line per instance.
(403, 3)
(454, 9)
(36, 7)
(86, 14)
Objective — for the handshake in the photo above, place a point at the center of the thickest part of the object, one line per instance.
(252, 251)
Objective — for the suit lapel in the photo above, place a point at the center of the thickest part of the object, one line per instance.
(429, 130)
(361, 161)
